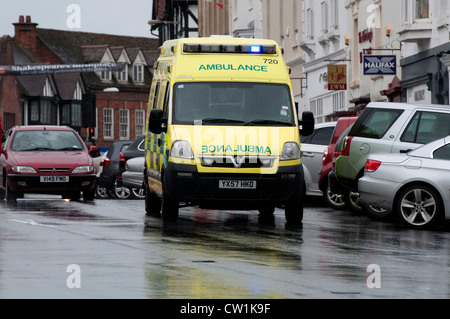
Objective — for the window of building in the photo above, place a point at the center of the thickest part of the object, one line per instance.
(71, 114)
(123, 75)
(124, 124)
(334, 15)
(415, 11)
(325, 17)
(108, 123)
(422, 10)
(138, 73)
(105, 76)
(42, 111)
(140, 122)
(309, 24)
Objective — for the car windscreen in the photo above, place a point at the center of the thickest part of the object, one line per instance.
(46, 140)
(232, 103)
(374, 122)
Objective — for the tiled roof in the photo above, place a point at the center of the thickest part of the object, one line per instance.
(74, 47)
(68, 44)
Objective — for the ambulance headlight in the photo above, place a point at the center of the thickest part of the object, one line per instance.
(181, 149)
(290, 151)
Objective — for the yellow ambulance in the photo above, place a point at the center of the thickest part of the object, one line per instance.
(222, 130)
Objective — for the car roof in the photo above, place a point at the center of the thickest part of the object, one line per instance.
(407, 106)
(325, 124)
(42, 128)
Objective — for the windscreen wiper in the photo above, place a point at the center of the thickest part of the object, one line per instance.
(219, 120)
(267, 122)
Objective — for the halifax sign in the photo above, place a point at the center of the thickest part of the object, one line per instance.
(380, 64)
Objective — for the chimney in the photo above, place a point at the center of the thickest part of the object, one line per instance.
(25, 33)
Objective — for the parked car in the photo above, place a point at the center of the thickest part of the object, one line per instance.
(386, 128)
(415, 186)
(46, 160)
(333, 200)
(136, 149)
(133, 177)
(107, 181)
(312, 149)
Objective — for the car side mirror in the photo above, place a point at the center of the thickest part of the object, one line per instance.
(307, 123)
(156, 123)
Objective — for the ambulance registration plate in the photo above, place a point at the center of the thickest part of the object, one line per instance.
(237, 184)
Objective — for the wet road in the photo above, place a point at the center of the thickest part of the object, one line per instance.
(50, 248)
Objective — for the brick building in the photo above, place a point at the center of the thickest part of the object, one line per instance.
(121, 97)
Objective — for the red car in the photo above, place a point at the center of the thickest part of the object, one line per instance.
(333, 200)
(46, 160)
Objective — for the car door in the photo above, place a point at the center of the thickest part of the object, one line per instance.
(312, 151)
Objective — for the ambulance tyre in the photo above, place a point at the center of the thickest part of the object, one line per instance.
(293, 211)
(152, 202)
(169, 206)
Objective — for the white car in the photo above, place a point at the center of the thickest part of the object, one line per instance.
(312, 148)
(414, 186)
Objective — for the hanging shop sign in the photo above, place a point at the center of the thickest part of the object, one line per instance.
(337, 77)
(380, 65)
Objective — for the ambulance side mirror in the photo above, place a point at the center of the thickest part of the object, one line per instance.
(307, 123)
(156, 123)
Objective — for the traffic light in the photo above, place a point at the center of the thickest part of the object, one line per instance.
(91, 132)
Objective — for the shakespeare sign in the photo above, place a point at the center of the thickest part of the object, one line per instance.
(38, 69)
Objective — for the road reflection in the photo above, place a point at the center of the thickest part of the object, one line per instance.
(222, 254)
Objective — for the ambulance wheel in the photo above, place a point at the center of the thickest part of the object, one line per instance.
(169, 206)
(152, 202)
(293, 211)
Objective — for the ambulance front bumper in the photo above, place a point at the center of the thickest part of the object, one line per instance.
(233, 191)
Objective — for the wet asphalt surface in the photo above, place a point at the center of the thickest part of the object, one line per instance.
(121, 253)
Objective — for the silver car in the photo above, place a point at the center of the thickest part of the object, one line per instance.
(414, 185)
(133, 177)
(313, 147)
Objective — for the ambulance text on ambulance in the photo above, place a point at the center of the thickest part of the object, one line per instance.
(231, 67)
(239, 148)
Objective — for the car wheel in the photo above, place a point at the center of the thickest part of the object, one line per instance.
(419, 206)
(11, 195)
(121, 192)
(378, 213)
(101, 192)
(352, 202)
(138, 193)
(89, 195)
(334, 200)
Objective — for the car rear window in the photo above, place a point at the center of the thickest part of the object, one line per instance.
(374, 123)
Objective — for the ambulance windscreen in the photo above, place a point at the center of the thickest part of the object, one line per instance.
(232, 103)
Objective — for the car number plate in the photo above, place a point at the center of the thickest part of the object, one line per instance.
(54, 179)
(233, 184)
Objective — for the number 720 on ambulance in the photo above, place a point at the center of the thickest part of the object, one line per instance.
(222, 129)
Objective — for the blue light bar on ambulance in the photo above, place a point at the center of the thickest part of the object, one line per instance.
(229, 48)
